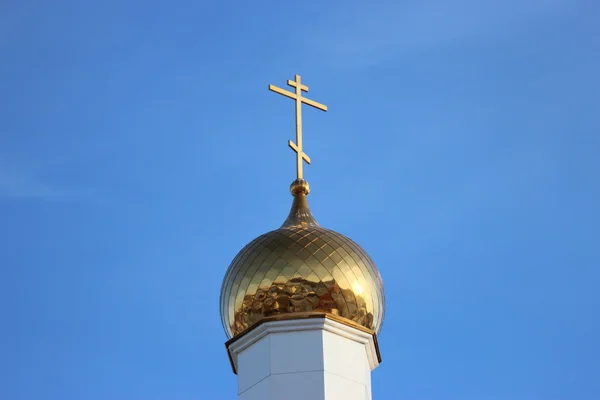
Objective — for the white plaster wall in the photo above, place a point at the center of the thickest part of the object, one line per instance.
(311, 364)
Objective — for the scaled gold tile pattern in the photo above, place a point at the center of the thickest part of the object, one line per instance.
(301, 267)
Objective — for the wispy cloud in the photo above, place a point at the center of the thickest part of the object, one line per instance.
(16, 183)
(366, 33)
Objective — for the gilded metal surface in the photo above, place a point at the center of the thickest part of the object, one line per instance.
(299, 186)
(297, 147)
(301, 267)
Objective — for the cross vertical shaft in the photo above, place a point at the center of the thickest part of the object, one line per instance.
(299, 152)
(301, 156)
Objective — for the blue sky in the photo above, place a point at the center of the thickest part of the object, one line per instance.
(140, 150)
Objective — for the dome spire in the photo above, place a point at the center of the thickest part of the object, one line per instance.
(313, 290)
(300, 214)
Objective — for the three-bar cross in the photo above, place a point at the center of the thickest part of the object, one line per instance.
(297, 147)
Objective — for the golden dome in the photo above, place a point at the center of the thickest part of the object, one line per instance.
(301, 267)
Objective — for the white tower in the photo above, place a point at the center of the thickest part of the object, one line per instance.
(302, 305)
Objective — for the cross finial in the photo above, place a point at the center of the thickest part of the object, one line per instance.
(297, 147)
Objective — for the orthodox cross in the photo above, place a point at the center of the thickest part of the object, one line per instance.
(297, 147)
